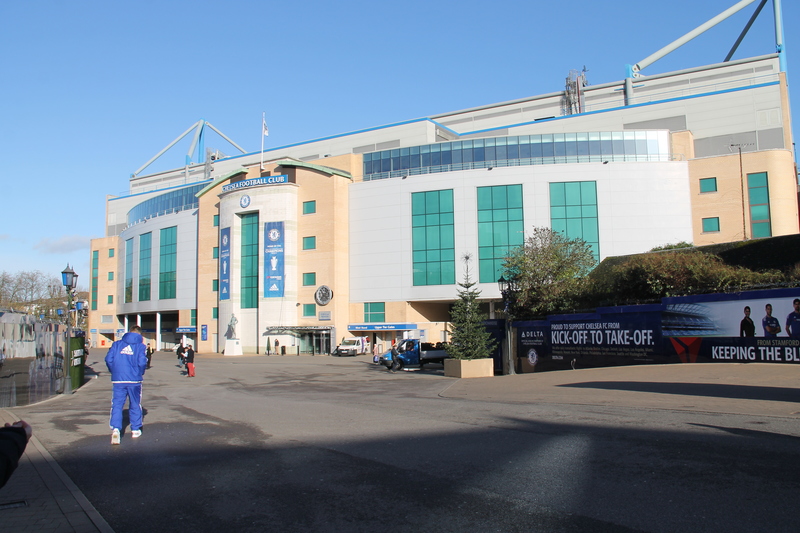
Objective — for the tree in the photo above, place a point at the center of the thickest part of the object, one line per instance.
(468, 336)
(549, 270)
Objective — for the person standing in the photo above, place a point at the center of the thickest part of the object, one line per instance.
(13, 440)
(771, 325)
(793, 321)
(189, 357)
(747, 328)
(149, 354)
(181, 351)
(127, 361)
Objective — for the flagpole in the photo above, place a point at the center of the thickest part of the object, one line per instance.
(263, 121)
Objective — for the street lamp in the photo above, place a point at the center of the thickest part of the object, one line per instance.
(508, 289)
(70, 280)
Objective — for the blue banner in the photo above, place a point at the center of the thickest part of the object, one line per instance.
(225, 264)
(273, 260)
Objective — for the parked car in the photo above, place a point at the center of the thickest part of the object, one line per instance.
(413, 353)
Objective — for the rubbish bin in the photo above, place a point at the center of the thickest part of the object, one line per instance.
(283, 350)
(77, 359)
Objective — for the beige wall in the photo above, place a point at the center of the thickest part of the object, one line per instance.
(727, 202)
(105, 288)
(207, 269)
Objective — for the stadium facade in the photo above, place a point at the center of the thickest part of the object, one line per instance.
(362, 234)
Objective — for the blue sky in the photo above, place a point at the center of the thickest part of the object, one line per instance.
(91, 89)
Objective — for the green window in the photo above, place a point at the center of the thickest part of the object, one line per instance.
(216, 221)
(310, 208)
(111, 298)
(375, 312)
(110, 252)
(215, 252)
(309, 243)
(309, 279)
(215, 312)
(708, 185)
(193, 318)
(573, 211)
(309, 309)
(168, 263)
(500, 228)
(249, 269)
(110, 276)
(95, 269)
(129, 271)
(758, 193)
(215, 285)
(433, 238)
(145, 256)
(710, 225)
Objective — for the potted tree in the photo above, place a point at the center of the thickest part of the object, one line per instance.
(470, 347)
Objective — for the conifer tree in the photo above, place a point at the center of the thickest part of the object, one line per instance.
(468, 338)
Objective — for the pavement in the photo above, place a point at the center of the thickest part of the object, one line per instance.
(40, 496)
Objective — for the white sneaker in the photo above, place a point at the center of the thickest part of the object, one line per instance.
(136, 433)
(115, 436)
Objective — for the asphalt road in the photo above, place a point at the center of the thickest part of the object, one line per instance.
(328, 444)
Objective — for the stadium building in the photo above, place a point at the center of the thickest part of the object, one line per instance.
(362, 234)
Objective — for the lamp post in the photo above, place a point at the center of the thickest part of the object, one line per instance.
(508, 289)
(70, 280)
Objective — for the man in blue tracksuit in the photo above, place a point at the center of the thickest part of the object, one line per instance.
(127, 360)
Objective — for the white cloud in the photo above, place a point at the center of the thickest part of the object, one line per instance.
(64, 244)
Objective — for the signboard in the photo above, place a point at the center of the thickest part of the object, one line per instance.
(256, 182)
(204, 332)
(225, 264)
(380, 327)
(186, 329)
(273, 260)
(324, 315)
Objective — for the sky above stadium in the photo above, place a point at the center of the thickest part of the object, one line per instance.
(93, 89)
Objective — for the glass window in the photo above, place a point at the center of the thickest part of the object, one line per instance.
(168, 263)
(215, 285)
(375, 312)
(110, 298)
(216, 221)
(758, 195)
(95, 274)
(309, 310)
(309, 207)
(309, 243)
(708, 185)
(110, 252)
(215, 252)
(309, 279)
(110, 276)
(145, 255)
(573, 212)
(215, 312)
(128, 271)
(249, 258)
(193, 318)
(433, 238)
(710, 225)
(500, 227)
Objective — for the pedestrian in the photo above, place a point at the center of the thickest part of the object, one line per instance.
(277, 345)
(149, 354)
(189, 357)
(180, 351)
(13, 440)
(127, 361)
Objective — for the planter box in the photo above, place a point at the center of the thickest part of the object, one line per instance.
(469, 368)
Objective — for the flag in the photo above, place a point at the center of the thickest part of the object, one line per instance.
(264, 127)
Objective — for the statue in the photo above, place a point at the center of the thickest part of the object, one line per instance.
(232, 327)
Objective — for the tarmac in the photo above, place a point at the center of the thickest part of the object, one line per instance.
(40, 497)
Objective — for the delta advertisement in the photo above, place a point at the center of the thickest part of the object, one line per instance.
(753, 326)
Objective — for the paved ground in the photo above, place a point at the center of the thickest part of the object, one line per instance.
(328, 444)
